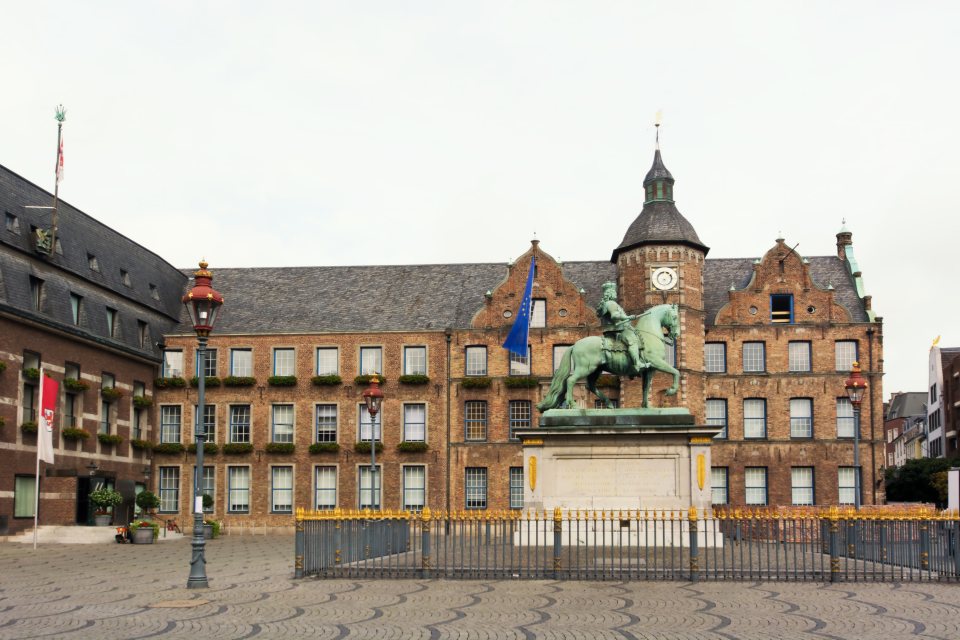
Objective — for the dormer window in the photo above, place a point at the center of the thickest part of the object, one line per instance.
(92, 262)
(154, 292)
(781, 308)
(13, 224)
(125, 278)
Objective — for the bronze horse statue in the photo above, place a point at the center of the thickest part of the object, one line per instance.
(592, 356)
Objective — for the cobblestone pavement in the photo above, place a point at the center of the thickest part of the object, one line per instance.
(138, 591)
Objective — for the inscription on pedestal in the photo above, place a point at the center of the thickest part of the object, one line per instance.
(615, 476)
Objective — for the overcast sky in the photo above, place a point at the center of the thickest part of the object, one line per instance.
(321, 133)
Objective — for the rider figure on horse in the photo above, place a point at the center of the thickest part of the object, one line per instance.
(615, 323)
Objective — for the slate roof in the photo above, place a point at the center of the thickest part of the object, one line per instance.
(659, 222)
(947, 354)
(69, 271)
(658, 170)
(908, 404)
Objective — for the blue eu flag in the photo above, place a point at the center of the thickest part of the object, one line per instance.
(518, 338)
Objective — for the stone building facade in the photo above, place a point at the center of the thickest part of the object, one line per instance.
(766, 344)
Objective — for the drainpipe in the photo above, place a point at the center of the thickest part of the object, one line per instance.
(449, 335)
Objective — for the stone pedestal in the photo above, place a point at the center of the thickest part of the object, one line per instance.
(597, 459)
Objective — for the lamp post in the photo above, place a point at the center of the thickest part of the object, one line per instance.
(373, 397)
(202, 303)
(856, 385)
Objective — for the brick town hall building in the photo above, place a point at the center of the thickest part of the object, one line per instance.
(766, 344)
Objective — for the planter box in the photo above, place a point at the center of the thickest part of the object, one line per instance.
(208, 532)
(104, 520)
(142, 536)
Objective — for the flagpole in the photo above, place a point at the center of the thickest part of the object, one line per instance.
(61, 116)
(36, 480)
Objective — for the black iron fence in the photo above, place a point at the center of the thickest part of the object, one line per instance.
(809, 544)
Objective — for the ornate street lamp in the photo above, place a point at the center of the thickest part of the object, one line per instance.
(856, 386)
(202, 303)
(373, 397)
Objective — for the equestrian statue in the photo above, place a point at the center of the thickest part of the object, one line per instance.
(630, 345)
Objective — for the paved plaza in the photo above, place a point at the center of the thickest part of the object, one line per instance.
(126, 591)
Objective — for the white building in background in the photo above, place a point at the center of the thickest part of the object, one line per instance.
(940, 357)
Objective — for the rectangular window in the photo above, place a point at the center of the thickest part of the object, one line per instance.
(13, 224)
(76, 305)
(846, 354)
(241, 363)
(414, 488)
(371, 360)
(31, 360)
(801, 483)
(138, 423)
(240, 423)
(670, 354)
(143, 333)
(475, 487)
(326, 488)
(520, 365)
(755, 485)
(717, 415)
(208, 485)
(169, 423)
(538, 313)
(169, 488)
(69, 411)
(369, 495)
(104, 417)
(801, 418)
(284, 362)
(92, 262)
(516, 487)
(24, 496)
(846, 485)
(558, 351)
(370, 426)
(520, 411)
(238, 489)
(476, 361)
(781, 308)
(36, 293)
(209, 367)
(209, 422)
(111, 322)
(754, 418)
(414, 422)
(719, 485)
(845, 418)
(715, 357)
(281, 490)
(754, 357)
(475, 420)
(172, 364)
(415, 361)
(798, 356)
(71, 370)
(326, 423)
(328, 361)
(30, 403)
(283, 423)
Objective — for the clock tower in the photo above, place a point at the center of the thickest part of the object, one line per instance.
(661, 261)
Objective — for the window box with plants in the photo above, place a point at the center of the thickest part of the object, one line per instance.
(168, 448)
(143, 531)
(141, 445)
(31, 373)
(324, 447)
(285, 448)
(520, 382)
(209, 448)
(414, 378)
(208, 382)
(72, 433)
(109, 439)
(237, 448)
(74, 385)
(364, 446)
(365, 379)
(326, 381)
(173, 382)
(415, 446)
(475, 383)
(142, 402)
(282, 381)
(104, 499)
(239, 381)
(29, 427)
(111, 393)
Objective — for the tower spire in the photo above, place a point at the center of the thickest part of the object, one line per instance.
(656, 124)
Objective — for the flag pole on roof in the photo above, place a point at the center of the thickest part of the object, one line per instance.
(61, 115)
(518, 339)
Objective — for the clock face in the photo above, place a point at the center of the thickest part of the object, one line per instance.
(664, 278)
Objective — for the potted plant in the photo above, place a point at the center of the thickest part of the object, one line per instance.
(148, 501)
(143, 531)
(103, 499)
(208, 525)
(214, 529)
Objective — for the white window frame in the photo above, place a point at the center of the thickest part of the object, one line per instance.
(323, 410)
(166, 426)
(716, 414)
(374, 501)
(755, 482)
(802, 487)
(799, 356)
(371, 360)
(801, 417)
(239, 368)
(284, 361)
(236, 492)
(410, 489)
(846, 353)
(750, 360)
(325, 473)
(286, 435)
(558, 352)
(475, 488)
(365, 425)
(323, 361)
(538, 313)
(846, 485)
(520, 365)
(516, 487)
(720, 485)
(751, 420)
(415, 360)
(414, 426)
(475, 361)
(172, 363)
(278, 502)
(846, 419)
(715, 357)
(168, 489)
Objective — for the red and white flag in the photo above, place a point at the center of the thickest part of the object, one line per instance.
(60, 161)
(49, 390)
